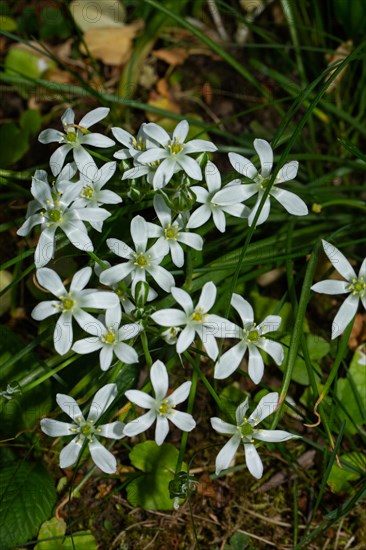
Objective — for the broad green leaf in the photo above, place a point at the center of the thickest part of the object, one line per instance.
(27, 497)
(30, 121)
(26, 62)
(317, 347)
(263, 306)
(14, 144)
(7, 23)
(239, 541)
(55, 529)
(150, 490)
(351, 392)
(353, 467)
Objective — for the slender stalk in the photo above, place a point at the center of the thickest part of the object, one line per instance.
(192, 395)
(145, 347)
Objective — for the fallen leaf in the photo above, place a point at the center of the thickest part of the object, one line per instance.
(339, 55)
(161, 103)
(172, 56)
(113, 46)
(97, 14)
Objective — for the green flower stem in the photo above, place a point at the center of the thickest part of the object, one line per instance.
(297, 331)
(100, 262)
(97, 155)
(145, 347)
(345, 202)
(342, 348)
(189, 271)
(204, 380)
(24, 176)
(49, 374)
(192, 395)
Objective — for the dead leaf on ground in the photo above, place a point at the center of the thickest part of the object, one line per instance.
(172, 56)
(339, 55)
(113, 46)
(358, 334)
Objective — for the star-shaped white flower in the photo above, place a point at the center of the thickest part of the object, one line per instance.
(55, 208)
(216, 201)
(354, 285)
(134, 145)
(246, 432)
(70, 304)
(86, 429)
(92, 194)
(196, 320)
(291, 202)
(162, 408)
(173, 153)
(171, 232)
(252, 337)
(74, 137)
(139, 261)
(109, 338)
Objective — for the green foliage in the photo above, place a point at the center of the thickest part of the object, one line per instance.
(15, 140)
(53, 24)
(151, 489)
(317, 348)
(7, 23)
(27, 496)
(55, 529)
(351, 392)
(353, 467)
(352, 17)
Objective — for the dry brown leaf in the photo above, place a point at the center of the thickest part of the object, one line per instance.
(173, 56)
(341, 52)
(113, 46)
(162, 103)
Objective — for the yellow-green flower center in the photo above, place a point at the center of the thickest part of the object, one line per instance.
(139, 144)
(171, 232)
(141, 260)
(199, 315)
(175, 147)
(71, 137)
(87, 192)
(86, 430)
(358, 286)
(109, 338)
(67, 303)
(165, 407)
(253, 335)
(55, 215)
(246, 430)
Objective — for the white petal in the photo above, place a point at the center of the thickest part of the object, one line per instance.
(161, 429)
(180, 394)
(120, 248)
(222, 427)
(100, 299)
(29, 223)
(126, 353)
(139, 233)
(140, 425)
(273, 436)
(123, 137)
(63, 335)
(202, 195)
(242, 165)
(266, 406)
(55, 428)
(213, 177)
(102, 400)
(69, 406)
(152, 155)
(169, 317)
(51, 136)
(185, 339)
(44, 310)
(255, 364)
(68, 117)
(70, 453)
(182, 420)
(288, 172)
(274, 349)
(183, 299)
(80, 279)
(227, 454)
(243, 307)
(140, 398)
(253, 461)
(208, 340)
(181, 131)
(339, 261)
(191, 239)
(331, 286)
(190, 166)
(345, 315)
(113, 430)
(94, 116)
(51, 281)
(105, 357)
(219, 219)
(291, 202)
(87, 345)
(270, 324)
(208, 297)
(45, 247)
(232, 194)
(162, 277)
(199, 217)
(116, 273)
(162, 210)
(164, 173)
(229, 361)
(102, 457)
(157, 133)
(240, 412)
(82, 157)
(177, 253)
(113, 317)
(97, 140)
(198, 146)
(264, 212)
(265, 154)
(58, 158)
(78, 238)
(159, 379)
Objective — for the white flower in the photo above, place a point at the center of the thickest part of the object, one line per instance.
(291, 202)
(173, 153)
(134, 145)
(109, 339)
(170, 335)
(162, 408)
(216, 201)
(70, 304)
(55, 208)
(245, 432)
(86, 429)
(75, 136)
(172, 233)
(197, 320)
(252, 337)
(92, 194)
(353, 285)
(139, 261)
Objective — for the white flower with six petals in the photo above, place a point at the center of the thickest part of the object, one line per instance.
(162, 408)
(86, 429)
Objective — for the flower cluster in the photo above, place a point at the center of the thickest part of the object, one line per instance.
(184, 190)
